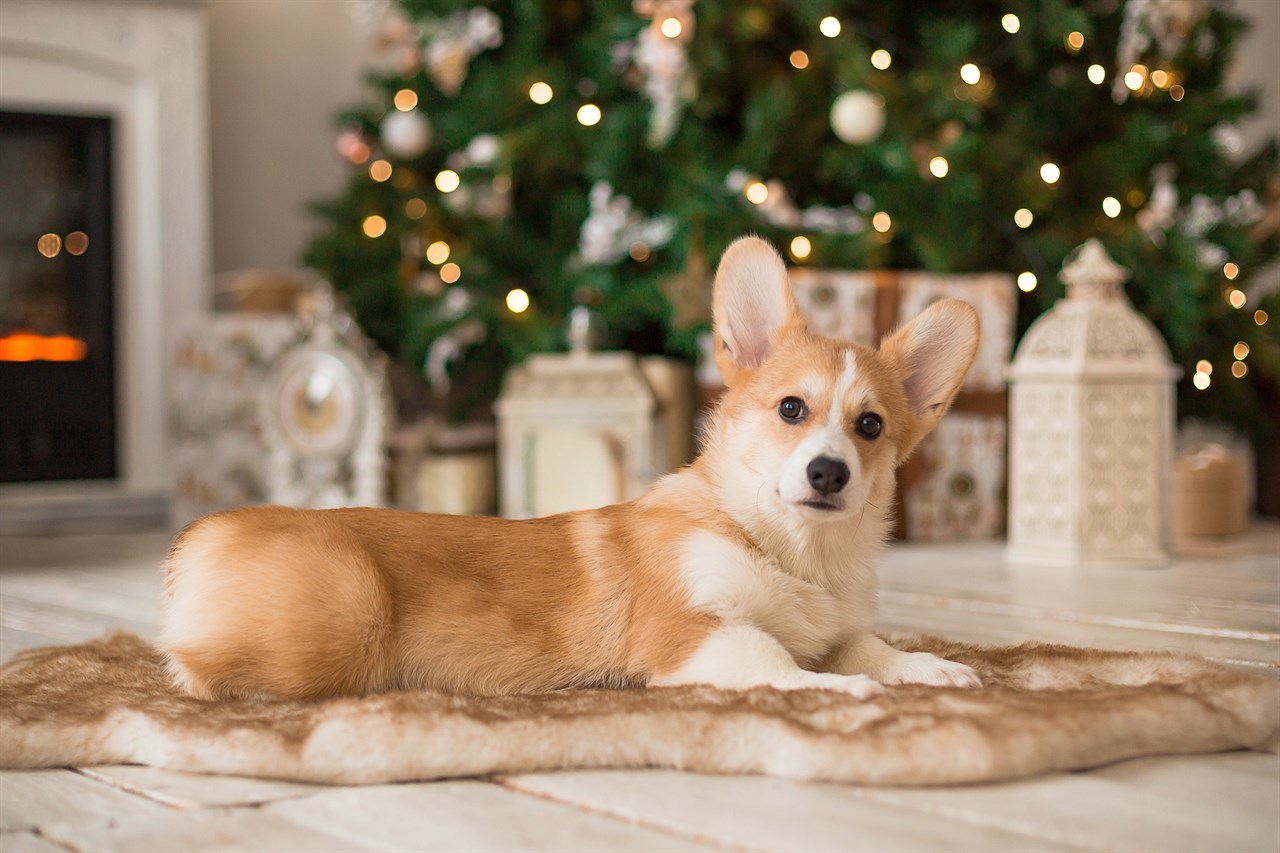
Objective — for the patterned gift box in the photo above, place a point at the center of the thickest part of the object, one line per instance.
(220, 366)
(954, 485)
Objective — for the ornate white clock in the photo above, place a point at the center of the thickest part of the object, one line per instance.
(325, 414)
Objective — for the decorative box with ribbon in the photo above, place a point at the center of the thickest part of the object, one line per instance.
(953, 486)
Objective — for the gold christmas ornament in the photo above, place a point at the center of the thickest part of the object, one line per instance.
(448, 66)
(689, 291)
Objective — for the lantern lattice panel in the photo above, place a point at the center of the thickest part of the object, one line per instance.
(1040, 495)
(1121, 471)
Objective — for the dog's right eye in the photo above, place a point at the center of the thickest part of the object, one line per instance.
(792, 409)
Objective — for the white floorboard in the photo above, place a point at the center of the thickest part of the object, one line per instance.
(760, 813)
(468, 816)
(193, 790)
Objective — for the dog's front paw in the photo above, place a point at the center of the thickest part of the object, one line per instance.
(924, 668)
(857, 686)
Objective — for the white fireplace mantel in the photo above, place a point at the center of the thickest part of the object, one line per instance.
(144, 64)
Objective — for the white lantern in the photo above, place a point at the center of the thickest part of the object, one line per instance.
(574, 432)
(1091, 414)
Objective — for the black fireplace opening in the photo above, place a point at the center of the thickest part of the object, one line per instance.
(58, 395)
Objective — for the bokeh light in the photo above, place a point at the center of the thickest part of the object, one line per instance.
(517, 301)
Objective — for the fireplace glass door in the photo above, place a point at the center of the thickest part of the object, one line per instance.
(57, 344)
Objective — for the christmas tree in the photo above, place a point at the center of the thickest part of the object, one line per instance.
(527, 156)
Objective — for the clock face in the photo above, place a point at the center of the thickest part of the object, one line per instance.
(318, 404)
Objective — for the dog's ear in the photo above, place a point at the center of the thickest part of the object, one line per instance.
(752, 305)
(932, 354)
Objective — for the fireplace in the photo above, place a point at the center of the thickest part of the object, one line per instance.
(90, 451)
(57, 344)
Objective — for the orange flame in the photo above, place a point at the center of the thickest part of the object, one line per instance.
(24, 345)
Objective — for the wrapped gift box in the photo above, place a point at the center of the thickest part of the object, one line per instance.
(220, 366)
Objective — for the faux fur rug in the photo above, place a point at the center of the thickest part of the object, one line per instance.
(1043, 708)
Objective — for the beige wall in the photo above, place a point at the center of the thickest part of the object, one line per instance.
(1259, 65)
(280, 70)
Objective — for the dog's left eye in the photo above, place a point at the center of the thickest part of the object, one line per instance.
(869, 425)
(792, 409)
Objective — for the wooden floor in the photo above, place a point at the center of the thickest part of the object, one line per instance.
(1220, 600)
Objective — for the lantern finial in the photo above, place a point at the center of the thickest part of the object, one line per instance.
(1089, 273)
(583, 330)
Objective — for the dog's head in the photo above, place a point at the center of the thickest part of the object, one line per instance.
(811, 428)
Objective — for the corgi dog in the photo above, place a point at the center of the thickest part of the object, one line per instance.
(754, 565)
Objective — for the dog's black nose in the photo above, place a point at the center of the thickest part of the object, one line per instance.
(827, 475)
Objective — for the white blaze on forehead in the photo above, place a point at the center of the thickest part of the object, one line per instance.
(830, 439)
(835, 416)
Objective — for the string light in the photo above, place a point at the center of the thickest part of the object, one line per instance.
(438, 252)
(1240, 350)
(447, 180)
(1160, 78)
(881, 59)
(1176, 92)
(359, 153)
(639, 251)
(49, 245)
(588, 115)
(517, 301)
(881, 222)
(1201, 381)
(374, 226)
(1204, 366)
(939, 167)
(1136, 78)
(415, 208)
(1023, 218)
(1075, 41)
(450, 272)
(540, 93)
(757, 192)
(1027, 281)
(800, 247)
(671, 28)
(1111, 206)
(1097, 75)
(1236, 298)
(405, 100)
(1239, 370)
(1230, 270)
(1010, 23)
(77, 243)
(970, 73)
(799, 59)
(1049, 173)
(829, 27)
(380, 170)
(1260, 317)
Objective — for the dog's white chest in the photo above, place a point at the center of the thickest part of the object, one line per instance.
(743, 587)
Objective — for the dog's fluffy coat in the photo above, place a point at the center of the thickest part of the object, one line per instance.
(735, 571)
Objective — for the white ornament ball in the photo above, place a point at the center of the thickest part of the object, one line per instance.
(857, 117)
(406, 135)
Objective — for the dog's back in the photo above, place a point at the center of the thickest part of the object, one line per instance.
(307, 603)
